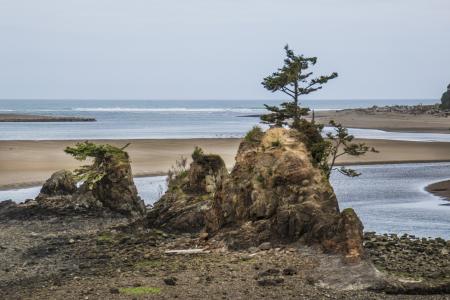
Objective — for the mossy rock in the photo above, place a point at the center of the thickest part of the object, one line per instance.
(140, 291)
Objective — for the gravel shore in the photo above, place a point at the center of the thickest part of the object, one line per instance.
(96, 255)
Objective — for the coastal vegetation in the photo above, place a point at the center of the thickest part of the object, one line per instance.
(102, 155)
(445, 99)
(339, 144)
(254, 135)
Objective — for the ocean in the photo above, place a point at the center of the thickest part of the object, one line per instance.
(139, 119)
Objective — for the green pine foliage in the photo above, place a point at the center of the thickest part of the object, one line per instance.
(340, 143)
(102, 156)
(294, 79)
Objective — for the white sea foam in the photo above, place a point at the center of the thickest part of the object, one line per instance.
(168, 109)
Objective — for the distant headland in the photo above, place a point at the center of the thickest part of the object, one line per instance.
(39, 118)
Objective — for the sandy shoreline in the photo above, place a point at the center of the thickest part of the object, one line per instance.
(388, 121)
(29, 163)
(441, 189)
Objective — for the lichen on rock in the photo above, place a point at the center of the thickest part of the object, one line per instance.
(182, 208)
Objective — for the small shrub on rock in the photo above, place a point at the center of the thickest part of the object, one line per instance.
(254, 135)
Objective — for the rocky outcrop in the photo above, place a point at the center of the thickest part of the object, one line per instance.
(115, 190)
(182, 208)
(61, 183)
(275, 194)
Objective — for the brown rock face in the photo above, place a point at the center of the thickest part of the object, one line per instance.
(117, 190)
(275, 194)
(61, 183)
(182, 208)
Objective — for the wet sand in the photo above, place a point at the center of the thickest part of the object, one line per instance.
(28, 163)
(441, 189)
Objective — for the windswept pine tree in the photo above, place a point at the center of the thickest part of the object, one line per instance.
(103, 157)
(295, 79)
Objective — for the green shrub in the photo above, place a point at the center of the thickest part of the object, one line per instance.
(254, 135)
(197, 154)
(141, 290)
(103, 155)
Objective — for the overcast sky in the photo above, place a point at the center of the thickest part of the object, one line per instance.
(220, 49)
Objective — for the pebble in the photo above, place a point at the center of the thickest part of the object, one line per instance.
(170, 281)
(265, 246)
(289, 271)
(270, 281)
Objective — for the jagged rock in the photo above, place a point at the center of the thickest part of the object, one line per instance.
(275, 194)
(182, 208)
(61, 183)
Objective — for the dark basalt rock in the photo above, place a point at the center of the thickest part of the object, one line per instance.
(182, 208)
(61, 183)
(116, 190)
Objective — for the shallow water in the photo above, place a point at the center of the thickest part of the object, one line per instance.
(391, 198)
(388, 198)
(397, 136)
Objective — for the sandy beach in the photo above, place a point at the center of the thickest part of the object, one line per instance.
(26, 163)
(389, 121)
(441, 189)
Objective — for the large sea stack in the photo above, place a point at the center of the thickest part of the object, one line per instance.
(275, 194)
